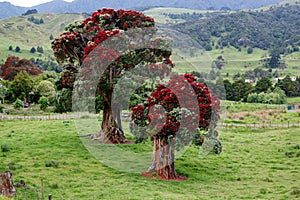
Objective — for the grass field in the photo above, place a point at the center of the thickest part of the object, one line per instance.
(254, 164)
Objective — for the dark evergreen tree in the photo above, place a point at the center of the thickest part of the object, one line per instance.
(263, 85)
(32, 50)
(18, 49)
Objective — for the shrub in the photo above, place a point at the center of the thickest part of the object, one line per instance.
(5, 148)
(250, 50)
(44, 103)
(51, 163)
(18, 104)
(1, 109)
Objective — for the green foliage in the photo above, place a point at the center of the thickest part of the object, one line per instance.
(22, 85)
(46, 89)
(5, 148)
(263, 85)
(269, 98)
(32, 50)
(18, 49)
(44, 103)
(250, 50)
(40, 49)
(262, 30)
(52, 163)
(288, 86)
(238, 90)
(36, 21)
(63, 101)
(18, 104)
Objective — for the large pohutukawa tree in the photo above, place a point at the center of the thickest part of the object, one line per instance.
(172, 115)
(106, 45)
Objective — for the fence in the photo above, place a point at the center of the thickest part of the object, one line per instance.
(47, 117)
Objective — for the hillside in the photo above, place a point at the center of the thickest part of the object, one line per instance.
(273, 28)
(19, 31)
(60, 6)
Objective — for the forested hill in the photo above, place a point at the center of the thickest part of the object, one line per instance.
(60, 6)
(276, 27)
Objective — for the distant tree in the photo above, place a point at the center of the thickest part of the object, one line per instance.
(241, 89)
(22, 85)
(41, 21)
(31, 11)
(44, 103)
(18, 49)
(229, 90)
(51, 37)
(288, 86)
(263, 85)
(208, 47)
(13, 65)
(296, 49)
(274, 60)
(46, 89)
(40, 49)
(32, 50)
(63, 101)
(250, 50)
(18, 104)
(4, 89)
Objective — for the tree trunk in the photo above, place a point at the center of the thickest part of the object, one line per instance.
(163, 159)
(110, 132)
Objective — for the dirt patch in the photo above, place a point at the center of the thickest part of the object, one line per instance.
(152, 175)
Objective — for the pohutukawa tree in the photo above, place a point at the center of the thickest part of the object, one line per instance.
(111, 42)
(14, 65)
(172, 115)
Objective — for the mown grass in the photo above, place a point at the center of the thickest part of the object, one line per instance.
(254, 164)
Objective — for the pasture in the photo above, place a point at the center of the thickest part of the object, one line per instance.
(254, 164)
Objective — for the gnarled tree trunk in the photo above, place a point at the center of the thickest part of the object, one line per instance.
(163, 159)
(110, 131)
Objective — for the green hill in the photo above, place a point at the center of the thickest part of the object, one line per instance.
(276, 27)
(27, 32)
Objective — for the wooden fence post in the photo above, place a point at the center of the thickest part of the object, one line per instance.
(42, 188)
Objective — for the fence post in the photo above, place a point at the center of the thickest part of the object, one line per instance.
(42, 188)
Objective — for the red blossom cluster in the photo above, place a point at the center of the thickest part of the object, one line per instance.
(63, 46)
(108, 19)
(177, 99)
(14, 65)
(83, 37)
(100, 37)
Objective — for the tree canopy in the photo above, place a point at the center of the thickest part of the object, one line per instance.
(14, 65)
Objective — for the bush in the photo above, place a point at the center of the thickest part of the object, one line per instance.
(44, 103)
(1, 109)
(51, 163)
(5, 148)
(18, 104)
(250, 50)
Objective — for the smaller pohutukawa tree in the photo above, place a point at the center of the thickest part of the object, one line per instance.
(172, 115)
(14, 65)
(105, 46)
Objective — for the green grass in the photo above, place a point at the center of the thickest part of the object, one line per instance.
(293, 100)
(253, 165)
